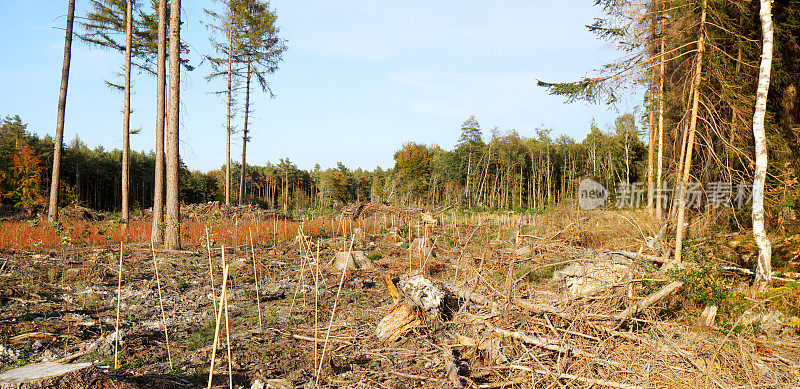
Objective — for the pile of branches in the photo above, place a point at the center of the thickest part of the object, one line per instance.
(365, 210)
(214, 210)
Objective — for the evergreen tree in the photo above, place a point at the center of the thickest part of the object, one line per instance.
(260, 51)
(52, 212)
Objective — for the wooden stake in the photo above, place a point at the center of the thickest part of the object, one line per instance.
(316, 305)
(333, 313)
(219, 318)
(119, 298)
(228, 341)
(161, 303)
(255, 276)
(211, 271)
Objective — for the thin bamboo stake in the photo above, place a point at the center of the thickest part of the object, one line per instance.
(227, 328)
(119, 298)
(219, 319)
(300, 281)
(255, 276)
(228, 341)
(211, 271)
(333, 313)
(161, 303)
(316, 306)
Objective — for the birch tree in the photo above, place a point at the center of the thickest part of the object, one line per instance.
(764, 268)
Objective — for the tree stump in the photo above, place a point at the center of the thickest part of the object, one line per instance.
(418, 303)
(356, 260)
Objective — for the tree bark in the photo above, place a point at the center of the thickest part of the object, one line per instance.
(764, 268)
(651, 116)
(660, 159)
(244, 133)
(172, 236)
(687, 165)
(228, 124)
(58, 142)
(126, 116)
(157, 232)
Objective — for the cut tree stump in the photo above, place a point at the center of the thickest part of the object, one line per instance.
(59, 375)
(421, 247)
(417, 298)
(356, 260)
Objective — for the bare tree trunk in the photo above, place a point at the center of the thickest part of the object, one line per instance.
(764, 268)
(228, 125)
(126, 116)
(157, 231)
(58, 142)
(651, 115)
(286, 192)
(660, 162)
(244, 133)
(687, 165)
(650, 141)
(172, 237)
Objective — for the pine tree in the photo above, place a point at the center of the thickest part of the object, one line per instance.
(58, 143)
(172, 235)
(157, 230)
(260, 52)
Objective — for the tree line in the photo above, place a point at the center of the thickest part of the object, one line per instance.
(507, 171)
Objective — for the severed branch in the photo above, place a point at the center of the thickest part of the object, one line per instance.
(550, 344)
(665, 291)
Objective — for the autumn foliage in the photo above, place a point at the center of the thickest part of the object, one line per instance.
(25, 177)
(412, 166)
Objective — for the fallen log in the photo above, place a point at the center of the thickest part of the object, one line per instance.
(560, 376)
(632, 255)
(473, 296)
(59, 375)
(550, 344)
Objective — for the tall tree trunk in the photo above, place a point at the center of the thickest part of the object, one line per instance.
(172, 237)
(244, 132)
(660, 160)
(157, 231)
(651, 113)
(687, 164)
(285, 192)
(228, 125)
(126, 116)
(764, 268)
(58, 142)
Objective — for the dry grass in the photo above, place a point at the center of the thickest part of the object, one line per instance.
(25, 235)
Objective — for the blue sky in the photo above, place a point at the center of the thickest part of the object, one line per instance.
(359, 78)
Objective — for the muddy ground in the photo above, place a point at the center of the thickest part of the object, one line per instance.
(60, 305)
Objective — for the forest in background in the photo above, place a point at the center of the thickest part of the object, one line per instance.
(507, 171)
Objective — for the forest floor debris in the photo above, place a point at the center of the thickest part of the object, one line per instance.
(479, 315)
